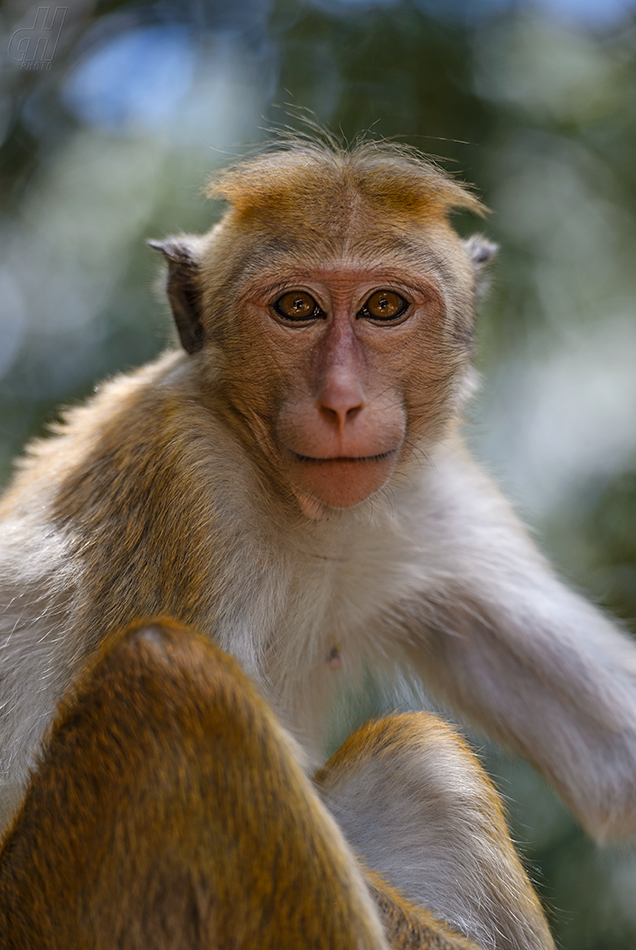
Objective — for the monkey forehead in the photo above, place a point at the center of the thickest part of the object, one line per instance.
(387, 252)
(334, 227)
(349, 268)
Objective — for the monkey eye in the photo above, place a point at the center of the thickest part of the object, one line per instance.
(384, 305)
(297, 305)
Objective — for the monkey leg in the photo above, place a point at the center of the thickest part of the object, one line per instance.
(170, 810)
(416, 804)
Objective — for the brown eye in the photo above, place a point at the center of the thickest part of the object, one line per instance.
(297, 305)
(384, 305)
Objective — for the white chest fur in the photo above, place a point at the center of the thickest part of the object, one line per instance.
(317, 618)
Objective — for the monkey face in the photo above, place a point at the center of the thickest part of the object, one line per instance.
(337, 370)
(338, 355)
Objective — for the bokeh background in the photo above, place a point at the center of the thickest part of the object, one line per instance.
(111, 116)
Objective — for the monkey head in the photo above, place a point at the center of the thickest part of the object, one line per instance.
(330, 312)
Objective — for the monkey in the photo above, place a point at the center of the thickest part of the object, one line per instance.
(293, 483)
(170, 808)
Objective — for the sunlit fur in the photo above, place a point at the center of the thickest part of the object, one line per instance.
(172, 492)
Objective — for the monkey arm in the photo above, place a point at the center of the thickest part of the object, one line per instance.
(413, 800)
(527, 659)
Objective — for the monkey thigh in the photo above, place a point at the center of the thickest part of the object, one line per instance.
(169, 810)
(416, 805)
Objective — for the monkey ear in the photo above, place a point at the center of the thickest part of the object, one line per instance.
(183, 290)
(481, 252)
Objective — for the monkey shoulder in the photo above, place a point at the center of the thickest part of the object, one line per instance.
(143, 435)
(136, 500)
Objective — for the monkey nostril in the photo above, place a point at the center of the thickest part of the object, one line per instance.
(340, 414)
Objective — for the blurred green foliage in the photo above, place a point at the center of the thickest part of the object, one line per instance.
(106, 142)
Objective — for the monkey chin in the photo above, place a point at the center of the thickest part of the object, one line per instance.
(339, 482)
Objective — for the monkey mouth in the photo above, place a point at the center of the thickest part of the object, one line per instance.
(341, 481)
(346, 458)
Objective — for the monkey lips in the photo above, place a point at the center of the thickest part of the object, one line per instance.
(342, 481)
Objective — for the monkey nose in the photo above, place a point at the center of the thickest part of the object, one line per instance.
(339, 404)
